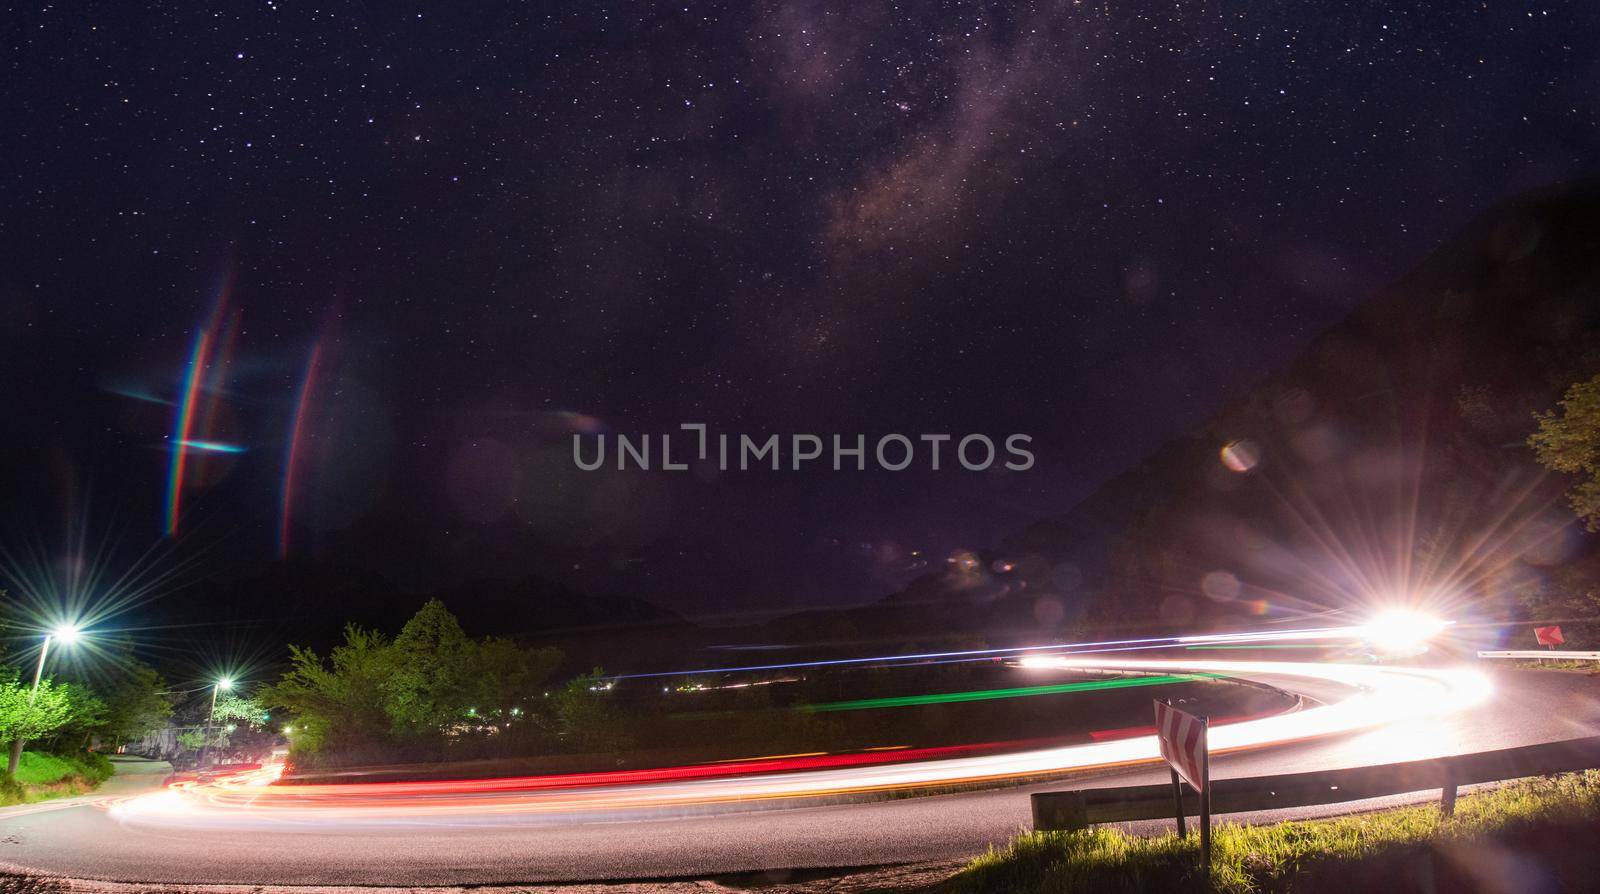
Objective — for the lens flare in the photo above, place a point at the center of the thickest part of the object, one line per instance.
(1241, 455)
(292, 452)
(212, 446)
(183, 422)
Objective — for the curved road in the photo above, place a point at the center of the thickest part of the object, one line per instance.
(87, 841)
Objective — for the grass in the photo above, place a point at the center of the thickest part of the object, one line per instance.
(1557, 664)
(41, 776)
(1536, 834)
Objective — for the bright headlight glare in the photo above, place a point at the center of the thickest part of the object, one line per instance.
(1401, 630)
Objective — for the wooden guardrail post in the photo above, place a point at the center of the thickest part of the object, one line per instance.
(1447, 793)
(1177, 803)
(1205, 803)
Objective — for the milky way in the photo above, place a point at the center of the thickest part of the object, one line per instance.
(503, 223)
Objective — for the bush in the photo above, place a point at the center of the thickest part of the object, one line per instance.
(96, 766)
(11, 791)
(39, 768)
(85, 767)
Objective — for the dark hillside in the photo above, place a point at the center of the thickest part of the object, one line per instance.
(1387, 463)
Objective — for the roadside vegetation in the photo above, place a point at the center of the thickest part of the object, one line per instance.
(65, 714)
(41, 776)
(431, 695)
(1538, 834)
(1592, 667)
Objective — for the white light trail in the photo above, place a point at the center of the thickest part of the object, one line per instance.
(1375, 696)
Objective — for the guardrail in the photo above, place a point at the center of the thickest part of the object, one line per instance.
(1061, 811)
(1544, 653)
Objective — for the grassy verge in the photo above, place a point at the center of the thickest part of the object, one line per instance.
(1556, 664)
(42, 776)
(1539, 834)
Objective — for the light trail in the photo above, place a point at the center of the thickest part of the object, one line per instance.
(1376, 696)
(1110, 645)
(978, 695)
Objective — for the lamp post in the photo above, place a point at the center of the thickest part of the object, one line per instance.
(223, 684)
(66, 634)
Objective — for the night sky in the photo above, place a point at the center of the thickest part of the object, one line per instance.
(493, 224)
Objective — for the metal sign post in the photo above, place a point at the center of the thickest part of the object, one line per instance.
(1205, 796)
(1183, 743)
(1177, 803)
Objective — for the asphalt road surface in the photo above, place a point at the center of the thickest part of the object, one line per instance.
(84, 841)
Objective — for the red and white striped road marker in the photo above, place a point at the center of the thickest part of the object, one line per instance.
(1183, 743)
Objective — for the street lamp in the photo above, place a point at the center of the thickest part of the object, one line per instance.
(223, 684)
(65, 634)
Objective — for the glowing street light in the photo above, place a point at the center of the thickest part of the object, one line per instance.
(65, 634)
(223, 684)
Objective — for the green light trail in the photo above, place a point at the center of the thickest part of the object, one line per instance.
(941, 698)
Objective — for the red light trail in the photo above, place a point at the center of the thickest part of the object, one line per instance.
(1378, 696)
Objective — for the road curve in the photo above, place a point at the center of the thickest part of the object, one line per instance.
(469, 848)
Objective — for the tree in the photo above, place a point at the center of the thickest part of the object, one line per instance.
(195, 739)
(431, 683)
(240, 728)
(136, 703)
(1568, 440)
(27, 715)
(133, 700)
(416, 695)
(238, 709)
(1569, 594)
(338, 704)
(586, 719)
(505, 674)
(86, 714)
